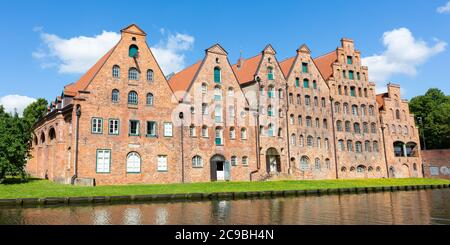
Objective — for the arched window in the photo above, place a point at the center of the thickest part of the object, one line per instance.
(293, 139)
(358, 147)
(297, 82)
(349, 145)
(219, 136)
(346, 110)
(310, 141)
(302, 140)
(343, 169)
(205, 133)
(116, 71)
(327, 144)
(328, 163)
(317, 123)
(291, 98)
(337, 107)
(307, 100)
(316, 101)
(197, 162)
(270, 111)
(397, 114)
(150, 75)
(204, 88)
(270, 73)
(363, 110)
(304, 163)
(314, 84)
(299, 99)
(133, 163)
(347, 127)
(132, 98)
(357, 128)
(324, 102)
(292, 119)
(367, 147)
(319, 142)
(217, 93)
(373, 127)
(133, 74)
(355, 110)
(341, 145)
(271, 91)
(150, 100)
(243, 133)
(371, 111)
(230, 92)
(325, 123)
(271, 130)
(308, 121)
(366, 128)
(52, 134)
(218, 114)
(361, 169)
(133, 51)
(192, 131)
(115, 96)
(317, 164)
(245, 160)
(280, 93)
(280, 132)
(232, 133)
(375, 146)
(217, 75)
(300, 120)
(339, 126)
(305, 83)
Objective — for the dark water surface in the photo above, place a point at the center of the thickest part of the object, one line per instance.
(412, 207)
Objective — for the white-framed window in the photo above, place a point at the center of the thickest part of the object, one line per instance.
(116, 71)
(232, 133)
(204, 88)
(133, 74)
(218, 114)
(162, 163)
(243, 133)
(205, 109)
(234, 161)
(231, 112)
(205, 133)
(217, 93)
(103, 161)
(115, 96)
(150, 75)
(197, 162)
(150, 99)
(133, 163)
(192, 131)
(245, 161)
(113, 126)
(97, 125)
(230, 92)
(168, 129)
(219, 136)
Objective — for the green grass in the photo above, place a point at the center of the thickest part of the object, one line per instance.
(42, 188)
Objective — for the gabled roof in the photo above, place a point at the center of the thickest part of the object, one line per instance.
(286, 66)
(217, 49)
(83, 82)
(182, 80)
(245, 70)
(324, 64)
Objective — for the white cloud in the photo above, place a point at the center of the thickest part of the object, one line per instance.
(15, 102)
(74, 55)
(403, 55)
(78, 54)
(444, 9)
(170, 52)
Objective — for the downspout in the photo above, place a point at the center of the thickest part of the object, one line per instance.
(181, 115)
(77, 133)
(334, 138)
(258, 153)
(384, 150)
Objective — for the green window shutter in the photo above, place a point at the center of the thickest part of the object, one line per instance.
(351, 75)
(133, 51)
(306, 83)
(297, 82)
(349, 60)
(270, 76)
(217, 75)
(305, 67)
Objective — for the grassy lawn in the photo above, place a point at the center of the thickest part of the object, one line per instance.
(43, 188)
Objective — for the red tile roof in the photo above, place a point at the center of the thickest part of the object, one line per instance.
(247, 70)
(83, 82)
(324, 64)
(286, 65)
(183, 79)
(380, 100)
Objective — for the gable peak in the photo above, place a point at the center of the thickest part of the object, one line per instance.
(217, 49)
(133, 29)
(269, 50)
(304, 49)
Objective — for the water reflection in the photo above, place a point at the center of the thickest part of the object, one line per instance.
(414, 207)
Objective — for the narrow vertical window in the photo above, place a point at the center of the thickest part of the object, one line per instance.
(134, 128)
(162, 163)
(97, 125)
(150, 75)
(217, 75)
(270, 73)
(150, 99)
(116, 71)
(113, 127)
(305, 67)
(115, 96)
(103, 161)
(151, 129)
(168, 129)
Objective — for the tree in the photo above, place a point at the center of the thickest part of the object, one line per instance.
(15, 138)
(434, 109)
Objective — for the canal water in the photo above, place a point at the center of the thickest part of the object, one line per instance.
(412, 207)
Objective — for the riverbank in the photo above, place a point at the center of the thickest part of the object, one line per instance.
(46, 192)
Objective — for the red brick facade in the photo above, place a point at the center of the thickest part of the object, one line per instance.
(436, 164)
(124, 122)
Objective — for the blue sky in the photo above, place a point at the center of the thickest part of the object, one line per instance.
(405, 41)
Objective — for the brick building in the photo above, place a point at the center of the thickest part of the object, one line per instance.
(125, 122)
(436, 163)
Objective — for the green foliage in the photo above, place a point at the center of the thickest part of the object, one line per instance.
(15, 135)
(434, 109)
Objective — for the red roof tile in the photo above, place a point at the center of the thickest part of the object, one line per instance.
(286, 65)
(183, 79)
(324, 64)
(247, 70)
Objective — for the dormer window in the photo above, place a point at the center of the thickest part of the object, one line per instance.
(133, 51)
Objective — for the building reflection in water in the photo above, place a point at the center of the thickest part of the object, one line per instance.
(413, 207)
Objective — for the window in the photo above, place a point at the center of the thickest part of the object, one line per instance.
(358, 147)
(367, 147)
(299, 99)
(103, 161)
(234, 161)
(270, 111)
(162, 163)
(270, 73)
(168, 132)
(205, 132)
(113, 126)
(291, 119)
(328, 163)
(319, 143)
(293, 139)
(219, 136)
(291, 98)
(305, 67)
(349, 145)
(340, 90)
(309, 141)
(339, 126)
(132, 98)
(133, 51)
(308, 122)
(280, 93)
(365, 128)
(280, 132)
(317, 123)
(231, 112)
(302, 140)
(345, 91)
(245, 161)
(204, 88)
(371, 111)
(344, 74)
(337, 107)
(134, 128)
(192, 131)
(300, 120)
(353, 91)
(271, 128)
(375, 146)
(341, 145)
(360, 92)
(232, 133)
(365, 92)
(151, 129)
(271, 91)
(217, 93)
(357, 128)
(397, 114)
(115, 96)
(243, 134)
(133, 163)
(327, 144)
(363, 110)
(297, 82)
(230, 92)
(116, 71)
(349, 60)
(217, 75)
(97, 125)
(314, 84)
(351, 75)
(197, 162)
(150, 99)
(205, 109)
(373, 128)
(324, 103)
(304, 163)
(325, 124)
(261, 90)
(133, 74)
(347, 127)
(307, 100)
(150, 75)
(316, 101)
(218, 114)
(317, 164)
(306, 83)
(345, 108)
(355, 110)
(192, 110)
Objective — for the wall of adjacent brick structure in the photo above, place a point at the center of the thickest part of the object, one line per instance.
(436, 163)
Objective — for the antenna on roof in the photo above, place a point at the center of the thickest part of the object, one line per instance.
(240, 60)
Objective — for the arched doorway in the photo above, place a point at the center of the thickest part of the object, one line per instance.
(405, 171)
(220, 168)
(273, 161)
